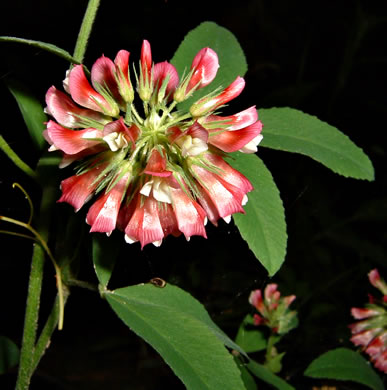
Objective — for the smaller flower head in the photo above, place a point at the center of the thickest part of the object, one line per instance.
(371, 332)
(273, 310)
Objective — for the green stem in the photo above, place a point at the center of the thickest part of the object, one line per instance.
(48, 330)
(16, 159)
(34, 291)
(269, 349)
(84, 32)
(31, 319)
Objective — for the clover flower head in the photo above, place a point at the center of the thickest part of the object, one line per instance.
(371, 331)
(273, 309)
(155, 169)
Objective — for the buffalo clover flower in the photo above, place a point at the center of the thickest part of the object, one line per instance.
(155, 171)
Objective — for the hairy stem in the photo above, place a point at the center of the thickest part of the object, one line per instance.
(31, 319)
(27, 353)
(84, 32)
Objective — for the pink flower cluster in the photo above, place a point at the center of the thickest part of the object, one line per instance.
(155, 170)
(273, 310)
(371, 332)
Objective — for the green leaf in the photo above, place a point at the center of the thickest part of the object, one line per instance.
(232, 60)
(267, 376)
(31, 110)
(249, 337)
(294, 131)
(263, 226)
(9, 354)
(344, 364)
(42, 45)
(275, 363)
(180, 329)
(247, 378)
(105, 252)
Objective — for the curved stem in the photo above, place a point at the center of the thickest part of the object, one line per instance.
(43, 243)
(16, 159)
(84, 32)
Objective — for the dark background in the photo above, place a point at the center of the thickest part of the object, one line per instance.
(327, 58)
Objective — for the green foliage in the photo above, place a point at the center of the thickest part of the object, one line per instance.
(42, 45)
(247, 378)
(9, 354)
(267, 376)
(294, 131)
(180, 329)
(105, 252)
(263, 226)
(232, 60)
(249, 337)
(344, 364)
(32, 112)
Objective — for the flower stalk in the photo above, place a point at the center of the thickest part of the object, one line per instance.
(84, 32)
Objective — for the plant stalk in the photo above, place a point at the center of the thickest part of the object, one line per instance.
(84, 32)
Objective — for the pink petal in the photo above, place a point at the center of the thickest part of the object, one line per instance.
(83, 94)
(360, 313)
(70, 158)
(119, 126)
(72, 141)
(146, 60)
(197, 131)
(122, 62)
(66, 112)
(289, 299)
(258, 320)
(270, 291)
(144, 225)
(237, 121)
(102, 74)
(156, 165)
(76, 190)
(208, 206)
(168, 220)
(206, 105)
(256, 300)
(102, 215)
(376, 346)
(122, 72)
(226, 198)
(189, 215)
(230, 174)
(374, 277)
(381, 362)
(364, 337)
(160, 72)
(206, 66)
(231, 141)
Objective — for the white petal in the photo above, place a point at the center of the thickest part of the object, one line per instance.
(157, 243)
(227, 219)
(110, 139)
(146, 188)
(245, 200)
(66, 81)
(251, 147)
(161, 191)
(129, 240)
